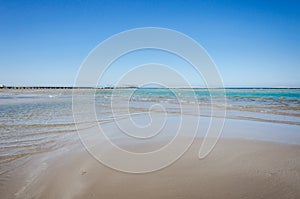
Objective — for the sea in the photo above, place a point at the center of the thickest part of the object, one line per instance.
(36, 121)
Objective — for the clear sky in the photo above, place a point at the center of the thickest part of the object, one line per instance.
(253, 43)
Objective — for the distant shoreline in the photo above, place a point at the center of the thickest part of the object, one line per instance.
(130, 87)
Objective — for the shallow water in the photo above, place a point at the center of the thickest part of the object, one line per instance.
(37, 121)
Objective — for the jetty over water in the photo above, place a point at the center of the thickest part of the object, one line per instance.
(43, 87)
(60, 87)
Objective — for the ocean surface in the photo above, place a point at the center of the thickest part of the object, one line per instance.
(38, 121)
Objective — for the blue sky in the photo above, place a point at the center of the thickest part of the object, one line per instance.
(253, 43)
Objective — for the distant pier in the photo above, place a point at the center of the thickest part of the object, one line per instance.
(59, 87)
(43, 87)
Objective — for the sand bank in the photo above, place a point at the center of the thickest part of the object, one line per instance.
(235, 169)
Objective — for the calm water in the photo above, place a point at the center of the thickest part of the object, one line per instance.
(37, 121)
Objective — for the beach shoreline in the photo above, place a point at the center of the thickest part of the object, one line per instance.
(257, 155)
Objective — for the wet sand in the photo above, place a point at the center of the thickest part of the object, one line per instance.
(234, 169)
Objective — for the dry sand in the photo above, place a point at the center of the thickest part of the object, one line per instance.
(234, 169)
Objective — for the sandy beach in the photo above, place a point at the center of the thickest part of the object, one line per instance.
(42, 156)
(235, 169)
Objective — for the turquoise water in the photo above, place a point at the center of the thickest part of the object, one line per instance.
(37, 121)
(272, 101)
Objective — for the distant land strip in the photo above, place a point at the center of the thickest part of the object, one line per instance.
(131, 87)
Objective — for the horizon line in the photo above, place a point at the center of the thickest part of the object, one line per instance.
(137, 87)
